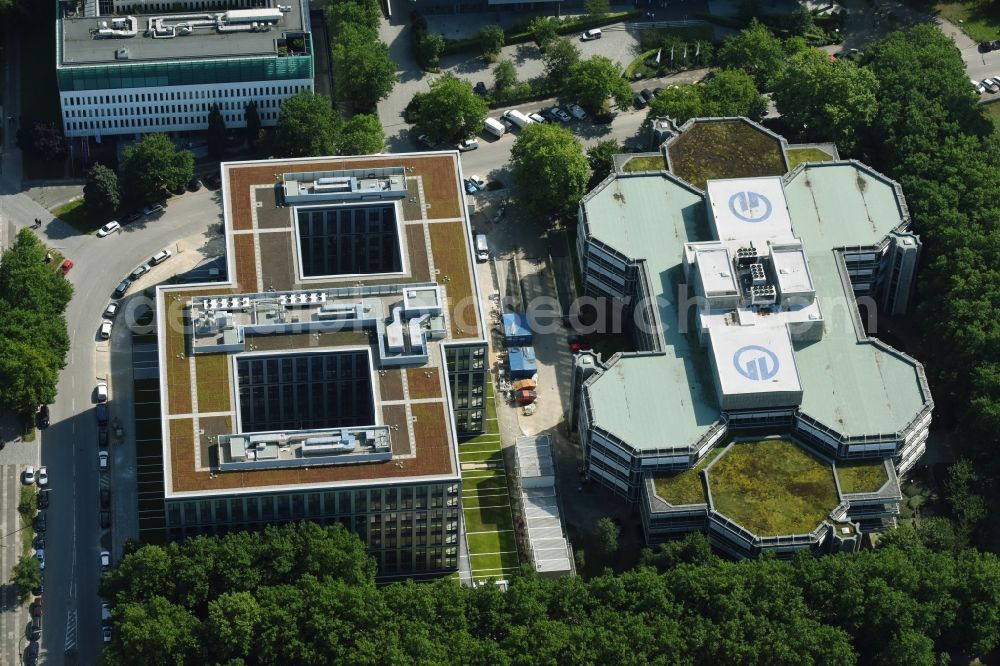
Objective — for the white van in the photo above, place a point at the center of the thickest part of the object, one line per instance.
(495, 127)
(518, 118)
(593, 33)
(482, 248)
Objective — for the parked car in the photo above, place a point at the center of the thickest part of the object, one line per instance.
(66, 266)
(43, 476)
(101, 392)
(153, 209)
(29, 476)
(103, 461)
(35, 608)
(43, 416)
(985, 47)
(132, 216)
(991, 85)
(537, 117)
(122, 288)
(31, 654)
(576, 111)
(101, 411)
(426, 141)
(111, 310)
(468, 144)
(40, 525)
(34, 630)
(43, 503)
(105, 560)
(559, 114)
(105, 520)
(39, 541)
(647, 94)
(138, 272)
(159, 257)
(592, 34)
(106, 634)
(108, 229)
(978, 86)
(102, 438)
(40, 556)
(37, 591)
(104, 332)
(474, 183)
(638, 101)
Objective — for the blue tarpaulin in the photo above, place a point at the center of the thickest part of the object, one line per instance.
(516, 331)
(522, 362)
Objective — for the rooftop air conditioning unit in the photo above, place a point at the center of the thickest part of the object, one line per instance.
(757, 274)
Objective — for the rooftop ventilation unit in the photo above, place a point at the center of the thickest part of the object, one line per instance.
(746, 255)
(763, 295)
(757, 274)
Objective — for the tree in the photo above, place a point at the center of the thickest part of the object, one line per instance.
(450, 110)
(600, 157)
(156, 632)
(491, 38)
(26, 575)
(801, 21)
(550, 169)
(597, 7)
(607, 537)
(364, 14)
(153, 166)
(233, 620)
(253, 125)
(361, 135)
(42, 139)
(961, 492)
(732, 93)
(306, 127)
(593, 80)
(216, 133)
(101, 192)
(364, 71)
(543, 31)
(429, 47)
(680, 103)
(504, 78)
(827, 100)
(756, 51)
(560, 57)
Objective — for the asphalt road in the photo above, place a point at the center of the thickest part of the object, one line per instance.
(69, 446)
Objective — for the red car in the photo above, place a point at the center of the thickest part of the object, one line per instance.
(577, 344)
(66, 265)
(36, 607)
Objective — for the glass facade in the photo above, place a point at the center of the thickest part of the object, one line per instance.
(407, 528)
(467, 376)
(201, 72)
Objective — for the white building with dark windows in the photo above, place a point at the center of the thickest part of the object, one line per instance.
(744, 300)
(138, 67)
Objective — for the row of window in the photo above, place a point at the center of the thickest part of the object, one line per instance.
(181, 95)
(136, 124)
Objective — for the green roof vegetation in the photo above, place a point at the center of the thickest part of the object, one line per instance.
(797, 156)
(685, 487)
(645, 163)
(772, 487)
(725, 149)
(862, 477)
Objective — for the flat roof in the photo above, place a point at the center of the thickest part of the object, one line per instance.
(750, 209)
(80, 47)
(715, 268)
(851, 386)
(200, 399)
(630, 402)
(792, 269)
(754, 360)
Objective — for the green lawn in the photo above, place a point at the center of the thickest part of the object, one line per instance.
(797, 156)
(992, 111)
(772, 487)
(480, 448)
(492, 542)
(725, 149)
(490, 566)
(76, 214)
(685, 487)
(979, 19)
(861, 477)
(656, 163)
(480, 456)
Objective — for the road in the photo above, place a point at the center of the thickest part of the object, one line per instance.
(69, 446)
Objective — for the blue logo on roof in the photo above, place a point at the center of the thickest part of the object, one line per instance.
(750, 206)
(756, 363)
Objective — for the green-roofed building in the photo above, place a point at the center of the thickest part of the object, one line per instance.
(745, 301)
(130, 67)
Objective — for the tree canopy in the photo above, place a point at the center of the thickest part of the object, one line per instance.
(592, 81)
(450, 111)
(364, 73)
(101, 192)
(559, 58)
(824, 99)
(756, 51)
(491, 39)
(728, 93)
(33, 337)
(216, 133)
(307, 126)
(361, 134)
(306, 594)
(600, 157)
(153, 166)
(550, 169)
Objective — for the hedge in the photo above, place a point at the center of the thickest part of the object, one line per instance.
(523, 35)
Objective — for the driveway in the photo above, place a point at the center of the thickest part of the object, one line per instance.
(69, 446)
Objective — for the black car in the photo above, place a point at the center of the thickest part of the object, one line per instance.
(105, 498)
(647, 94)
(34, 630)
(102, 438)
(105, 520)
(31, 654)
(43, 417)
(39, 542)
(194, 185)
(134, 216)
(101, 411)
(122, 288)
(639, 101)
(985, 47)
(43, 499)
(480, 89)
(37, 591)
(40, 522)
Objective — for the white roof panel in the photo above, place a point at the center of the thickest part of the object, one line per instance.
(715, 268)
(754, 360)
(749, 208)
(792, 270)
